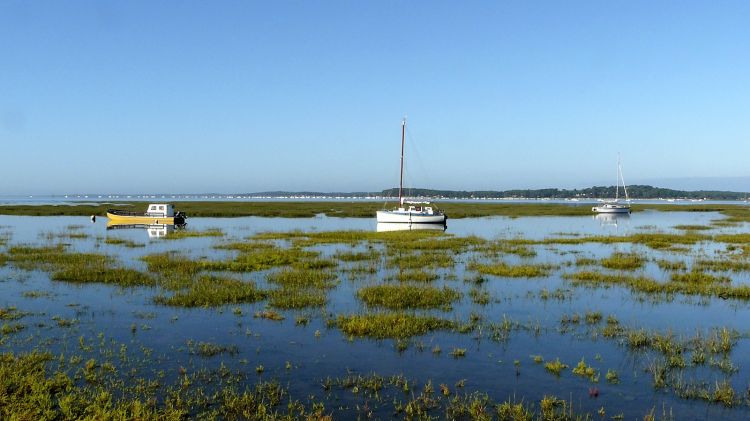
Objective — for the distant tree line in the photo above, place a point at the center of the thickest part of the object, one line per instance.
(596, 192)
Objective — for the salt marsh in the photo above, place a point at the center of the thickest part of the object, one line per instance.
(589, 316)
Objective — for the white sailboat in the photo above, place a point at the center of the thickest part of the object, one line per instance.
(615, 206)
(409, 212)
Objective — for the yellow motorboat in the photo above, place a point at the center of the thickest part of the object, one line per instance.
(156, 213)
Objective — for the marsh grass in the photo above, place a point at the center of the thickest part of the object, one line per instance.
(10, 328)
(213, 291)
(123, 277)
(651, 286)
(299, 278)
(11, 313)
(64, 235)
(269, 315)
(53, 257)
(77, 267)
(499, 247)
(699, 278)
(390, 324)
(172, 263)
(359, 209)
(658, 241)
(505, 270)
(479, 296)
(247, 246)
(592, 317)
(555, 367)
(623, 261)
(315, 264)
(209, 349)
(458, 353)
(676, 350)
(612, 376)
(36, 294)
(741, 238)
(399, 297)
(722, 265)
(297, 298)
(186, 233)
(244, 262)
(116, 241)
(586, 261)
(260, 260)
(350, 256)
(444, 243)
(416, 275)
(424, 260)
(307, 239)
(35, 387)
(300, 288)
(585, 370)
(687, 227)
(671, 264)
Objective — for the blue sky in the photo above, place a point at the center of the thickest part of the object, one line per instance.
(129, 97)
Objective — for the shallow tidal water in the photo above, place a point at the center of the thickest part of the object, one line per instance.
(301, 357)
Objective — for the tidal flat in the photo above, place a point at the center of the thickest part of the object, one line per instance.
(498, 317)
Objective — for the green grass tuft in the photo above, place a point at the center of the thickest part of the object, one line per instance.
(390, 325)
(398, 297)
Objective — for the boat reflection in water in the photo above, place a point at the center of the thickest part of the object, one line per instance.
(153, 230)
(394, 226)
(611, 219)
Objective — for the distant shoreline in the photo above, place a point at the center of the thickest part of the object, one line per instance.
(635, 192)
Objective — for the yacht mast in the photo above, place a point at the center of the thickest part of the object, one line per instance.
(401, 180)
(619, 170)
(617, 180)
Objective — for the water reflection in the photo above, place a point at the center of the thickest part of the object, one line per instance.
(612, 220)
(392, 226)
(153, 230)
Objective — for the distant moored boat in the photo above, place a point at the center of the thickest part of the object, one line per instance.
(615, 206)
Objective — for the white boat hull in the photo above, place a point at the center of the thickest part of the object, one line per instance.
(388, 226)
(395, 217)
(611, 209)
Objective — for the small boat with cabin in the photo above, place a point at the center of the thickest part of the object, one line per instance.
(410, 212)
(156, 213)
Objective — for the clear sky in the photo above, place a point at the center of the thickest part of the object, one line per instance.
(242, 96)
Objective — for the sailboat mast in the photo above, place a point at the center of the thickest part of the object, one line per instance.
(617, 180)
(401, 180)
(619, 168)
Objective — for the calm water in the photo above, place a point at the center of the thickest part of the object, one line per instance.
(488, 365)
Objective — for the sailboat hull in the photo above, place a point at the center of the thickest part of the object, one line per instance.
(396, 217)
(388, 226)
(611, 209)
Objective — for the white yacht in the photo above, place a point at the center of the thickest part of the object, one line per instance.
(615, 206)
(410, 212)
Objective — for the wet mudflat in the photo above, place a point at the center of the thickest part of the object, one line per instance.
(555, 317)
